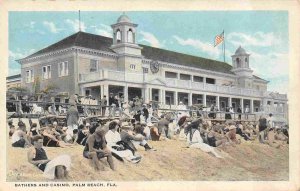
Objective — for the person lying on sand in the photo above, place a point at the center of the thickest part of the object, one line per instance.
(96, 149)
(56, 168)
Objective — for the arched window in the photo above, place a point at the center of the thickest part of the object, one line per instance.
(238, 63)
(119, 36)
(130, 36)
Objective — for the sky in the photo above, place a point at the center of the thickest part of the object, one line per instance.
(263, 34)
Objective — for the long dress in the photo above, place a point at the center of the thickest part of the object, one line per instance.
(197, 142)
(112, 138)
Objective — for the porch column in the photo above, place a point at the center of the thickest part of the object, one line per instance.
(82, 89)
(126, 93)
(251, 106)
(190, 99)
(146, 95)
(105, 91)
(230, 101)
(242, 104)
(150, 94)
(204, 100)
(163, 93)
(160, 96)
(218, 102)
(175, 98)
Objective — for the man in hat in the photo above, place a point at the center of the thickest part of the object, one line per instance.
(231, 134)
(96, 149)
(56, 168)
(19, 138)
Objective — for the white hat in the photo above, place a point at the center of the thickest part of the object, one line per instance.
(232, 127)
(54, 123)
(87, 124)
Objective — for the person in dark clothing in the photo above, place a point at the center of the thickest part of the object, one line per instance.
(137, 116)
(145, 112)
(239, 110)
(103, 105)
(96, 149)
(82, 134)
(37, 156)
(227, 114)
(262, 126)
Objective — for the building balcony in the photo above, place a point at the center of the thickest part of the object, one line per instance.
(175, 83)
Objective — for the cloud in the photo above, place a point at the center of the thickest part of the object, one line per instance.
(75, 24)
(104, 30)
(15, 55)
(205, 47)
(151, 39)
(51, 26)
(260, 39)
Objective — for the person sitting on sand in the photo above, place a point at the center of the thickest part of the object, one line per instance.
(194, 139)
(231, 134)
(56, 168)
(271, 138)
(50, 139)
(214, 138)
(279, 136)
(19, 138)
(114, 143)
(96, 148)
(131, 139)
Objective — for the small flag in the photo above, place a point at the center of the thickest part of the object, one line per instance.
(219, 38)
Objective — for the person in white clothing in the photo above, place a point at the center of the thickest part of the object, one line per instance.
(113, 139)
(194, 140)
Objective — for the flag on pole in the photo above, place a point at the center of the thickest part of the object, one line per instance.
(219, 38)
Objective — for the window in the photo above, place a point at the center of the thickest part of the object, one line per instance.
(210, 81)
(130, 36)
(185, 77)
(47, 72)
(93, 65)
(29, 76)
(246, 60)
(63, 69)
(145, 70)
(238, 64)
(170, 75)
(198, 79)
(132, 66)
(119, 36)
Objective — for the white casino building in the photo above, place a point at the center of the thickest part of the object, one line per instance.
(89, 64)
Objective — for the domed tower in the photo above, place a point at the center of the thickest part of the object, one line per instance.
(240, 66)
(124, 37)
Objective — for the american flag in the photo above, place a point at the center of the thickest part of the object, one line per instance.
(219, 38)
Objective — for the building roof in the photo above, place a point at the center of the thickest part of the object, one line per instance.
(240, 51)
(13, 77)
(256, 77)
(102, 43)
(123, 19)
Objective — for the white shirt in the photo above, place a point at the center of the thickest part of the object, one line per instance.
(112, 138)
(195, 139)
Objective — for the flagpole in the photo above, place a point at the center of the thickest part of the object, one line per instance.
(224, 44)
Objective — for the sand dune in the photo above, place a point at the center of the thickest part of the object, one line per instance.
(171, 161)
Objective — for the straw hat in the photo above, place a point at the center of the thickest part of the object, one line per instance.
(126, 125)
(150, 124)
(231, 127)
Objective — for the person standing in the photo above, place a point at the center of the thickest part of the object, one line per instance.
(247, 111)
(262, 126)
(103, 105)
(239, 110)
(72, 119)
(112, 105)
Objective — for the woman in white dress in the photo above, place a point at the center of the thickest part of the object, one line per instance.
(113, 137)
(194, 139)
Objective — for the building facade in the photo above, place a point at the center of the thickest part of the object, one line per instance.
(89, 64)
(13, 81)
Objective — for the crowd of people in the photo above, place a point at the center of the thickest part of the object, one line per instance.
(119, 139)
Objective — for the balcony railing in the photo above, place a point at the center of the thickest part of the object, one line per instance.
(171, 82)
